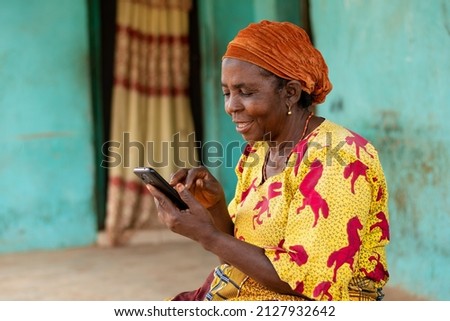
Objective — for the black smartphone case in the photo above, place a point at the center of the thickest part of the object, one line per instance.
(152, 177)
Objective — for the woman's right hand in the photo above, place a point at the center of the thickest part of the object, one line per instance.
(202, 185)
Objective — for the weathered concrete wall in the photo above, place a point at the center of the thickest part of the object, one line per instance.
(46, 172)
(389, 62)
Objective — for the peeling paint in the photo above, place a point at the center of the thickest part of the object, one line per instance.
(390, 64)
(47, 161)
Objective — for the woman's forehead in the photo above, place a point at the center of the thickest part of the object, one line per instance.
(239, 69)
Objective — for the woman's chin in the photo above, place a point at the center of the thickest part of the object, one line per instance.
(251, 138)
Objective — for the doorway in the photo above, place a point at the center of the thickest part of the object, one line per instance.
(102, 36)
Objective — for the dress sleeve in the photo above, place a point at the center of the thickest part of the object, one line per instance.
(330, 206)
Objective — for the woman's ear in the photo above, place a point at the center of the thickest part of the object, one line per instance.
(293, 91)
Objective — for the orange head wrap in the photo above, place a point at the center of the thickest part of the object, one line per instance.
(284, 49)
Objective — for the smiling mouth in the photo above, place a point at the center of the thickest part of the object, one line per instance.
(243, 126)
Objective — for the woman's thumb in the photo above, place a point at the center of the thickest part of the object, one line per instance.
(185, 194)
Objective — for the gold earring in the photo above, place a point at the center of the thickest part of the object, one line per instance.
(289, 111)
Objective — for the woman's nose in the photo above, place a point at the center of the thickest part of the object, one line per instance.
(233, 104)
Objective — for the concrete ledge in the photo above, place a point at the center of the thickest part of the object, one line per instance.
(164, 236)
(142, 237)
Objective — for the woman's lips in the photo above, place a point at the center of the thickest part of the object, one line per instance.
(242, 127)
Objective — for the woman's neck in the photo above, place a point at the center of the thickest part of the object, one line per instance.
(295, 129)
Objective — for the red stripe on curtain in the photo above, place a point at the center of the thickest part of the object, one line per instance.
(151, 38)
(166, 4)
(129, 185)
(178, 44)
(148, 90)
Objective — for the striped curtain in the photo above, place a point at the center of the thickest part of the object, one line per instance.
(152, 123)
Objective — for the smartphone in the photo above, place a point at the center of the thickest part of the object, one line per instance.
(150, 176)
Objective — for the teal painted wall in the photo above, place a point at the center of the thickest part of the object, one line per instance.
(389, 62)
(219, 22)
(47, 167)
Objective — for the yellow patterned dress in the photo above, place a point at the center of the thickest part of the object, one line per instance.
(323, 221)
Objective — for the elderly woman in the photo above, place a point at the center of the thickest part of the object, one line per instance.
(309, 219)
